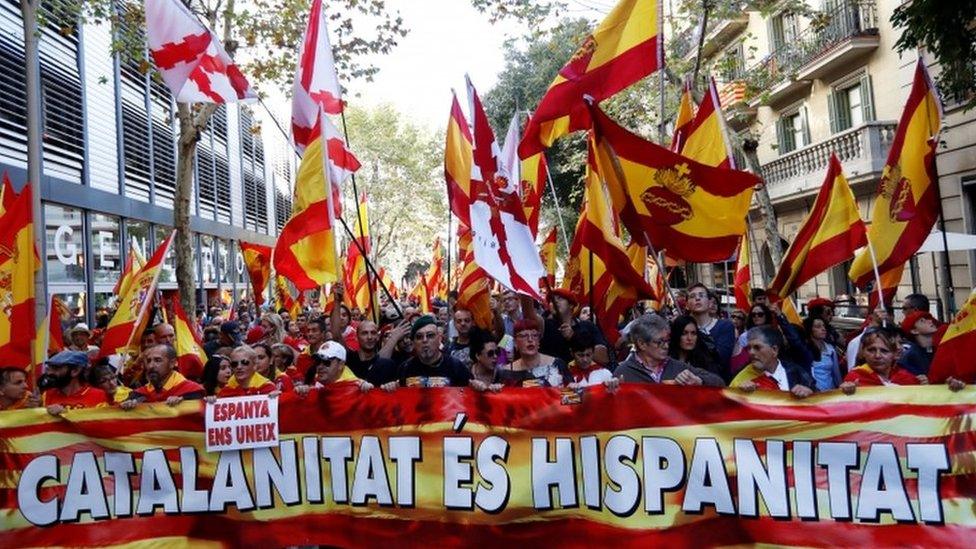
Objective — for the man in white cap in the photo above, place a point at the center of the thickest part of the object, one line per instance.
(79, 336)
(330, 367)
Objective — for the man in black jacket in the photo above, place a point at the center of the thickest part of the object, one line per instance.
(767, 370)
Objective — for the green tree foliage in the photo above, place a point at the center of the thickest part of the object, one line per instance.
(948, 31)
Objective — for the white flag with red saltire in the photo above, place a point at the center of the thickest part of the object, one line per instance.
(316, 85)
(191, 60)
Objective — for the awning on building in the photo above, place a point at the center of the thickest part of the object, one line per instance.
(957, 242)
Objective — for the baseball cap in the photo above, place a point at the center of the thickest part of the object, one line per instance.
(330, 350)
(910, 319)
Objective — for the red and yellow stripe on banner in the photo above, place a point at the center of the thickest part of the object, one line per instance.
(671, 465)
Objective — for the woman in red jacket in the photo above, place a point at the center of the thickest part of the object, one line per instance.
(879, 353)
(245, 380)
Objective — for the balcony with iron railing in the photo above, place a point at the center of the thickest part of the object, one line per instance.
(862, 151)
(834, 38)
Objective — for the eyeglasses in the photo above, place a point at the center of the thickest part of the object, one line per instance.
(662, 342)
(428, 335)
(528, 335)
(236, 363)
(492, 353)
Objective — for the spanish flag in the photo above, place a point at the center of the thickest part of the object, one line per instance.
(422, 296)
(134, 262)
(387, 281)
(189, 347)
(458, 160)
(436, 285)
(695, 212)
(548, 255)
(474, 293)
(906, 207)
(743, 276)
(624, 48)
(17, 265)
(132, 315)
(829, 235)
(283, 298)
(682, 122)
(305, 252)
(703, 139)
(533, 174)
(954, 355)
(7, 194)
(257, 261)
(359, 285)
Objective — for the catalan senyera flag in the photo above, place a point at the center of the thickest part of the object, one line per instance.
(533, 175)
(458, 160)
(624, 47)
(906, 207)
(282, 295)
(189, 347)
(474, 293)
(18, 262)
(695, 212)
(387, 281)
(257, 261)
(682, 122)
(954, 355)
(305, 252)
(743, 276)
(547, 252)
(703, 140)
(830, 234)
(132, 315)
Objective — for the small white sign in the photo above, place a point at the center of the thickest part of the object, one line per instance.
(241, 422)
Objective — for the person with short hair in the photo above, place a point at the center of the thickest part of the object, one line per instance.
(14, 392)
(164, 334)
(70, 390)
(104, 376)
(767, 371)
(246, 380)
(717, 334)
(164, 382)
(533, 368)
(915, 303)
(430, 366)
(586, 372)
(484, 361)
(650, 363)
(458, 347)
(230, 336)
(366, 363)
(920, 329)
(318, 334)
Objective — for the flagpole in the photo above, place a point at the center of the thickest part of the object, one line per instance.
(359, 215)
(559, 210)
(661, 266)
(877, 275)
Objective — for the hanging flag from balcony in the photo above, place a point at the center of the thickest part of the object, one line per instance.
(191, 60)
(703, 140)
(830, 234)
(257, 261)
(694, 212)
(906, 207)
(458, 162)
(624, 47)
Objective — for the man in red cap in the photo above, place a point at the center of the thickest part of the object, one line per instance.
(920, 329)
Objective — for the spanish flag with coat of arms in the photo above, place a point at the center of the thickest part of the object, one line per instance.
(17, 265)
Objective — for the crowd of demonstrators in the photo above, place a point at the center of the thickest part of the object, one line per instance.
(252, 351)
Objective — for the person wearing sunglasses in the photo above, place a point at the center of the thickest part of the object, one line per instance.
(484, 360)
(429, 365)
(245, 380)
(650, 363)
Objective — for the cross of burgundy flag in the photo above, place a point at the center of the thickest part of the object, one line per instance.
(316, 85)
(192, 61)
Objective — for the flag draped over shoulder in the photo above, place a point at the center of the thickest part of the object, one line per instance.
(830, 234)
(305, 252)
(906, 207)
(703, 139)
(695, 212)
(132, 315)
(189, 347)
(624, 47)
(191, 60)
(743, 276)
(954, 355)
(458, 161)
(257, 261)
(18, 262)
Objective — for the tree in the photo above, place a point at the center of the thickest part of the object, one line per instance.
(947, 31)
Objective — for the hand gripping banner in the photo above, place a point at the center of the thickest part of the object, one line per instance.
(647, 465)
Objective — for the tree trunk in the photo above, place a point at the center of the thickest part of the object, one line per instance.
(749, 147)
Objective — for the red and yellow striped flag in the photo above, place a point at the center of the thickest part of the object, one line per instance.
(906, 207)
(829, 235)
(134, 262)
(743, 276)
(695, 212)
(132, 315)
(189, 347)
(421, 296)
(387, 281)
(474, 292)
(18, 262)
(458, 159)
(703, 140)
(624, 47)
(305, 252)
(533, 173)
(436, 284)
(547, 252)
(682, 122)
(359, 285)
(257, 261)
(283, 297)
(954, 355)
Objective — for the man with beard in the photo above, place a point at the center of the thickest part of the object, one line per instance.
(65, 376)
(366, 362)
(429, 367)
(165, 383)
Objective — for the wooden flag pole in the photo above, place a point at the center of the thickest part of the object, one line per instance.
(359, 215)
(877, 275)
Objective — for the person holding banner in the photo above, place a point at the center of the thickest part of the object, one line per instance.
(533, 368)
(246, 381)
(330, 367)
(879, 351)
(430, 366)
(216, 374)
(165, 383)
(65, 375)
(484, 361)
(14, 392)
(103, 376)
(767, 371)
(649, 363)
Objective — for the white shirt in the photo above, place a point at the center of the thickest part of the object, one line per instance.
(779, 374)
(597, 377)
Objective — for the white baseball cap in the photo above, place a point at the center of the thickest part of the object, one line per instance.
(330, 350)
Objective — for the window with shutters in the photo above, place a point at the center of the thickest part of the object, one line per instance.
(792, 130)
(282, 209)
(213, 172)
(206, 188)
(784, 28)
(850, 103)
(252, 167)
(13, 95)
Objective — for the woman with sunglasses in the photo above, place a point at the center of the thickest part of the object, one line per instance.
(532, 368)
(216, 373)
(879, 353)
(484, 361)
(245, 380)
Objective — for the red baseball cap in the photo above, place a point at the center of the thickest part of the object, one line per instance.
(914, 317)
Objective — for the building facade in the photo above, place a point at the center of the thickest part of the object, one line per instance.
(807, 86)
(109, 166)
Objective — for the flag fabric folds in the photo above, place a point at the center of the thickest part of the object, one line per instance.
(360, 289)
(487, 155)
(954, 355)
(906, 207)
(474, 286)
(436, 284)
(282, 295)
(458, 162)
(625, 47)
(421, 296)
(695, 212)
(533, 174)
(682, 122)
(55, 332)
(18, 261)
(132, 315)
(134, 261)
(548, 255)
(257, 261)
(703, 139)
(316, 85)
(742, 280)
(305, 251)
(189, 347)
(830, 234)
(191, 60)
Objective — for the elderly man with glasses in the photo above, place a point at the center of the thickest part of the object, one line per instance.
(650, 362)
(430, 366)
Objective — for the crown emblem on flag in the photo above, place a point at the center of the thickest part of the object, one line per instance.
(580, 60)
(897, 189)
